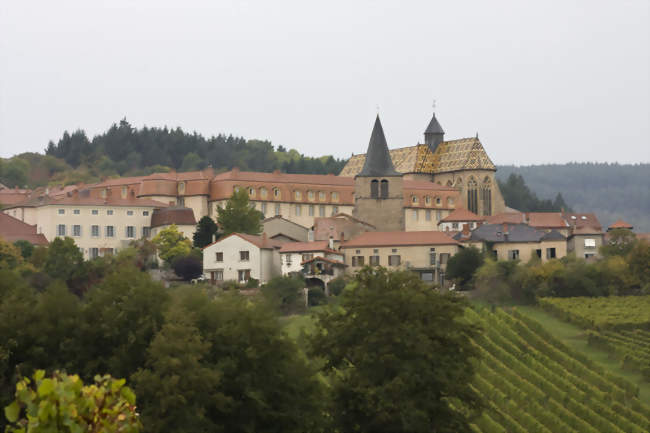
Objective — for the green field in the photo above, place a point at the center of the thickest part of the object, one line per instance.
(533, 382)
(612, 313)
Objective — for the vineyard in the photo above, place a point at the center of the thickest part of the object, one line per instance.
(533, 383)
(618, 325)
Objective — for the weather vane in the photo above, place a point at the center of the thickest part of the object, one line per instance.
(434, 105)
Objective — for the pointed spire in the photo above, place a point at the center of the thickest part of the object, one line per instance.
(434, 126)
(378, 162)
(434, 134)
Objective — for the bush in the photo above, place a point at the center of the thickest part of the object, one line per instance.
(252, 283)
(336, 286)
(462, 266)
(187, 267)
(316, 296)
(285, 293)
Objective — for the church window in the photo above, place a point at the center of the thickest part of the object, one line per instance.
(374, 188)
(472, 195)
(486, 196)
(384, 188)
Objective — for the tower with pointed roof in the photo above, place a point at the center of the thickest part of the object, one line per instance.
(434, 134)
(378, 187)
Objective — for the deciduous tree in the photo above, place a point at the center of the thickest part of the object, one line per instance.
(238, 216)
(171, 244)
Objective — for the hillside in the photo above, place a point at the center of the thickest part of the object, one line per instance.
(612, 191)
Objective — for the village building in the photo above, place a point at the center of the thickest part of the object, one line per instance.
(241, 257)
(459, 218)
(181, 217)
(12, 230)
(425, 253)
(284, 230)
(315, 261)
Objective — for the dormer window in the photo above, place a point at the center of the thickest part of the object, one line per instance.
(251, 191)
(414, 199)
(276, 192)
(335, 196)
(263, 192)
(321, 195)
(124, 191)
(297, 195)
(427, 200)
(181, 188)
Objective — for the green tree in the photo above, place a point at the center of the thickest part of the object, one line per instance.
(400, 356)
(619, 243)
(187, 267)
(26, 248)
(63, 404)
(171, 244)
(462, 266)
(10, 256)
(285, 293)
(64, 259)
(238, 215)
(205, 230)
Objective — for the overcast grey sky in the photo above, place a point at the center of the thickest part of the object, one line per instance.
(540, 81)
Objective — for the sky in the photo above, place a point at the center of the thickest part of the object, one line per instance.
(540, 82)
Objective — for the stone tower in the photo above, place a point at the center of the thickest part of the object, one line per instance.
(378, 190)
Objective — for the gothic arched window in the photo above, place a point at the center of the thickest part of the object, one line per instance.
(374, 188)
(384, 188)
(472, 195)
(486, 196)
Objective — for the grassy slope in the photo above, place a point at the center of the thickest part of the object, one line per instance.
(574, 337)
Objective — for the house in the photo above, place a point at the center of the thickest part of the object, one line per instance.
(240, 257)
(585, 242)
(517, 241)
(548, 221)
(425, 253)
(339, 227)
(182, 217)
(284, 230)
(314, 260)
(459, 218)
(13, 229)
(620, 224)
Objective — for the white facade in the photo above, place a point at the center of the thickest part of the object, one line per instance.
(235, 258)
(456, 226)
(292, 262)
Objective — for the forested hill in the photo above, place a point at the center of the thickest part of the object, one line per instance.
(612, 191)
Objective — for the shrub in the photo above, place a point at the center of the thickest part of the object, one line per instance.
(187, 267)
(316, 296)
(336, 286)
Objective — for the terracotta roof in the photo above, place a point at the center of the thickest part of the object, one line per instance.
(461, 215)
(280, 217)
(346, 216)
(259, 241)
(582, 220)
(172, 215)
(276, 176)
(506, 217)
(643, 236)
(10, 197)
(453, 155)
(13, 229)
(324, 259)
(620, 224)
(299, 247)
(83, 198)
(387, 239)
(586, 231)
(546, 220)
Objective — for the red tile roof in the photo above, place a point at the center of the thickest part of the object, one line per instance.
(620, 224)
(552, 220)
(582, 220)
(172, 215)
(323, 259)
(299, 247)
(586, 231)
(259, 241)
(387, 239)
(13, 229)
(461, 215)
(506, 217)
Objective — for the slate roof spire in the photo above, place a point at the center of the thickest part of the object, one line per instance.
(434, 134)
(378, 162)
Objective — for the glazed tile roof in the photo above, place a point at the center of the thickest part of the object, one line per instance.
(453, 155)
(387, 239)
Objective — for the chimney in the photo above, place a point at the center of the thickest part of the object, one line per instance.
(466, 230)
(214, 237)
(330, 244)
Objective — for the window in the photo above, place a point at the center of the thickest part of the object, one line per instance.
(219, 256)
(513, 254)
(310, 195)
(94, 231)
(444, 258)
(145, 213)
(93, 253)
(181, 187)
(472, 195)
(438, 215)
(321, 195)
(110, 231)
(538, 253)
(335, 210)
(426, 276)
(394, 260)
(76, 212)
(394, 250)
(306, 257)
(277, 209)
(60, 230)
(130, 231)
(129, 213)
(414, 199)
(427, 200)
(486, 196)
(374, 188)
(590, 243)
(427, 215)
(432, 257)
(321, 210)
(415, 214)
(373, 260)
(76, 230)
(450, 202)
(109, 212)
(94, 212)
(454, 226)
(311, 210)
(104, 193)
(244, 275)
(123, 192)
(276, 192)
(438, 201)
(298, 210)
(61, 211)
(550, 253)
(251, 191)
(357, 260)
(384, 189)
(244, 256)
(180, 201)
(146, 232)
(263, 208)
(263, 192)
(335, 196)
(298, 195)
(218, 275)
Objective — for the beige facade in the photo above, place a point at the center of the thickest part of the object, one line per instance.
(418, 219)
(585, 246)
(488, 199)
(280, 228)
(524, 251)
(386, 214)
(238, 259)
